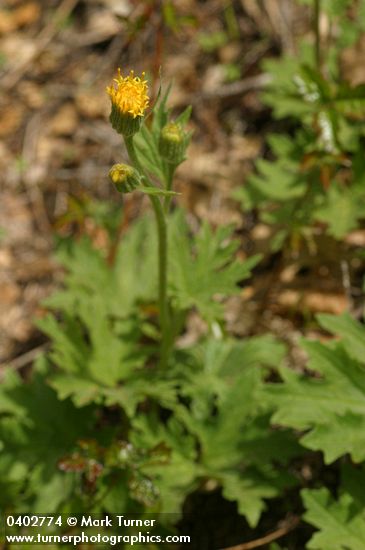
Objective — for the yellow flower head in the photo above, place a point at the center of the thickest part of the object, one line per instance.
(129, 94)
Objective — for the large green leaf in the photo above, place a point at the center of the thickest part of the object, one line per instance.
(228, 416)
(37, 430)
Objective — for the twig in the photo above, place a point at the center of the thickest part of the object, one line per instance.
(13, 76)
(24, 359)
(31, 174)
(240, 87)
(267, 538)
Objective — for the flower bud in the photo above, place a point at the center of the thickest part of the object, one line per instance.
(124, 177)
(129, 99)
(172, 143)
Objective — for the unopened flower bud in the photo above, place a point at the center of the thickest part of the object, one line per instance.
(172, 143)
(124, 177)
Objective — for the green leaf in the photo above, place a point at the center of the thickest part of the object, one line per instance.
(340, 526)
(141, 386)
(351, 332)
(36, 431)
(277, 181)
(157, 192)
(184, 117)
(176, 476)
(331, 407)
(348, 437)
(341, 209)
(312, 86)
(228, 416)
(96, 342)
(352, 482)
(282, 94)
(250, 493)
(203, 274)
(350, 101)
(147, 142)
(81, 390)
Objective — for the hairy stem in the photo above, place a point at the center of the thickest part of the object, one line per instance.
(169, 180)
(162, 256)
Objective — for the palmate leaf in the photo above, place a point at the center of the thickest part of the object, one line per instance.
(237, 447)
(280, 180)
(119, 287)
(206, 272)
(229, 419)
(341, 522)
(49, 427)
(282, 93)
(127, 386)
(341, 209)
(96, 342)
(36, 430)
(220, 428)
(277, 181)
(103, 359)
(216, 363)
(332, 407)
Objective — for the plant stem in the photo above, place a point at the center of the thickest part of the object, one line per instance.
(162, 256)
(317, 34)
(169, 180)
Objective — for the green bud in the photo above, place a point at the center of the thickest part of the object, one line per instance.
(172, 143)
(124, 123)
(124, 177)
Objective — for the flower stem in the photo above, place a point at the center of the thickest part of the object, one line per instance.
(162, 256)
(169, 180)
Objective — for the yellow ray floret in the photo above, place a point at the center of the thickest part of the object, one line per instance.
(129, 94)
